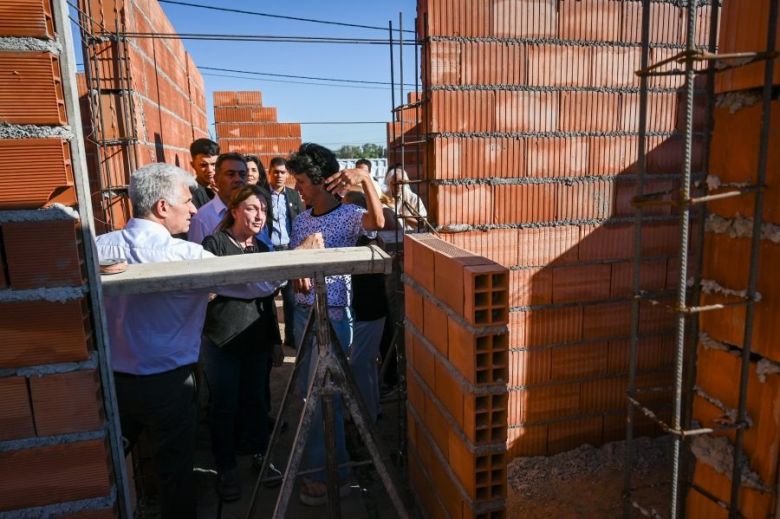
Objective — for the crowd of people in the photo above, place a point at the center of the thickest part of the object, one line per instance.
(228, 338)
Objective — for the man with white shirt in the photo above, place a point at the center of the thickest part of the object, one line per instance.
(231, 171)
(155, 338)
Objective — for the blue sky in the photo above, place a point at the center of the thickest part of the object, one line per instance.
(297, 102)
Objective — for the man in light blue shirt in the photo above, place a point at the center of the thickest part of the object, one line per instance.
(155, 338)
(286, 204)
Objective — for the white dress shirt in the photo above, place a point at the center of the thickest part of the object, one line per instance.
(154, 333)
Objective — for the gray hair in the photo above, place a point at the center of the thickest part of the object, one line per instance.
(154, 182)
(397, 174)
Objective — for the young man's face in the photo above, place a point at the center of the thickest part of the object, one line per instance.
(231, 176)
(204, 168)
(306, 188)
(277, 176)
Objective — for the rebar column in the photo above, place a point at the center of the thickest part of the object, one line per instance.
(642, 167)
(685, 192)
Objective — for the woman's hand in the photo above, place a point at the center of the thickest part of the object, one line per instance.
(302, 286)
(340, 182)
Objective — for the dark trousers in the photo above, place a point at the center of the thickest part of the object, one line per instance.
(165, 404)
(237, 384)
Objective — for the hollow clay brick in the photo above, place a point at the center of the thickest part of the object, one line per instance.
(31, 91)
(28, 339)
(603, 242)
(435, 326)
(734, 17)
(542, 403)
(580, 361)
(547, 326)
(545, 245)
(593, 20)
(580, 283)
(51, 170)
(67, 402)
(753, 504)
(28, 267)
(525, 19)
(55, 474)
(718, 374)
(529, 367)
(734, 158)
(27, 18)
(607, 320)
(414, 307)
(530, 286)
(527, 441)
(15, 412)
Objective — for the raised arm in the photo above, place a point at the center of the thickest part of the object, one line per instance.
(339, 183)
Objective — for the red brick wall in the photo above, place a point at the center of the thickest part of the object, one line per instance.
(244, 125)
(456, 346)
(533, 110)
(167, 102)
(734, 160)
(54, 445)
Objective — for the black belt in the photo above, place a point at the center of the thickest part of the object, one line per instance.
(282, 247)
(120, 374)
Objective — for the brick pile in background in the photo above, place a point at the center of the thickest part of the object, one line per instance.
(166, 92)
(53, 446)
(533, 119)
(244, 125)
(456, 344)
(411, 130)
(734, 161)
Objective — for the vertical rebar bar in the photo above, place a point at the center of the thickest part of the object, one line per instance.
(755, 250)
(642, 169)
(701, 214)
(685, 193)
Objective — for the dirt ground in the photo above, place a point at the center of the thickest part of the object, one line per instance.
(587, 482)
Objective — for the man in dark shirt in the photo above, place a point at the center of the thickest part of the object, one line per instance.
(204, 153)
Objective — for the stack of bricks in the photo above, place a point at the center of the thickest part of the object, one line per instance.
(456, 344)
(54, 446)
(727, 249)
(244, 125)
(166, 103)
(411, 132)
(533, 112)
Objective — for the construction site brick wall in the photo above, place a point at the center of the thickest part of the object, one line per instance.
(245, 126)
(147, 104)
(407, 130)
(532, 117)
(734, 161)
(54, 444)
(456, 346)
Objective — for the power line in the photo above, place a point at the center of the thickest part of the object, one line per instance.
(253, 38)
(340, 80)
(264, 80)
(295, 18)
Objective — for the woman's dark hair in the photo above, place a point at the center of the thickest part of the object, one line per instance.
(315, 161)
(240, 196)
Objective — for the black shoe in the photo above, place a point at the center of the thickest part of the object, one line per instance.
(228, 486)
(272, 472)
